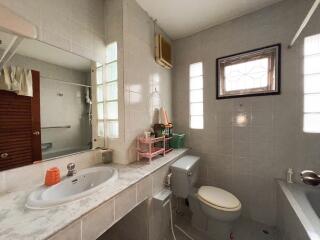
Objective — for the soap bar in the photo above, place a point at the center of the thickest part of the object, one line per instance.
(52, 176)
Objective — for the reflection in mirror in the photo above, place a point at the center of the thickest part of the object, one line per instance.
(46, 103)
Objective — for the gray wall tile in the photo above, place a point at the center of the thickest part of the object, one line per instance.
(236, 157)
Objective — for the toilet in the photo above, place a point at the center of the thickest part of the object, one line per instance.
(214, 210)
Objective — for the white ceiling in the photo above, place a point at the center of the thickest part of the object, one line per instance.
(181, 18)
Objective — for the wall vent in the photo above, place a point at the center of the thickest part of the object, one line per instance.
(163, 52)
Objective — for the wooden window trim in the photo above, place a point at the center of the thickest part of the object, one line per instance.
(273, 53)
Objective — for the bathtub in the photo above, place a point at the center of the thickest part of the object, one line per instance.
(298, 211)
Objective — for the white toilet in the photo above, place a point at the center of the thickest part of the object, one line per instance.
(213, 209)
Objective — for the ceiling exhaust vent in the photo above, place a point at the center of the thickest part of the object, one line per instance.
(163, 52)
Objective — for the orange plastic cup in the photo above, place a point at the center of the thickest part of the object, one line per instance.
(52, 176)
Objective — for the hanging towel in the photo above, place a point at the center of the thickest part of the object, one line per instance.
(163, 116)
(18, 80)
(5, 81)
(26, 83)
(15, 79)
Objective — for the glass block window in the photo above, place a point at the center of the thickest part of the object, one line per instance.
(311, 121)
(196, 95)
(111, 88)
(250, 73)
(100, 99)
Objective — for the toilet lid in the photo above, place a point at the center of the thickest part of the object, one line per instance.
(218, 197)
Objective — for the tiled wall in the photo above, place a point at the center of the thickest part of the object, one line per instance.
(145, 85)
(83, 27)
(114, 32)
(79, 135)
(73, 25)
(245, 160)
(30, 176)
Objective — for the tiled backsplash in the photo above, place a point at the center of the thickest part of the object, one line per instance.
(29, 176)
(246, 158)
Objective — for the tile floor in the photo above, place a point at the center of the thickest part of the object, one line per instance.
(244, 230)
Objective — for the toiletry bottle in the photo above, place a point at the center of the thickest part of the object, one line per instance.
(289, 175)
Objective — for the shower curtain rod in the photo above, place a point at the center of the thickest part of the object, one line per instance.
(305, 22)
(64, 82)
(10, 51)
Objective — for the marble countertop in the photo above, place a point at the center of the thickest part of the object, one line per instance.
(18, 222)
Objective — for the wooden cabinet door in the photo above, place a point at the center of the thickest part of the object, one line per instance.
(19, 120)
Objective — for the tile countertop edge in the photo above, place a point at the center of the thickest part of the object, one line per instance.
(39, 228)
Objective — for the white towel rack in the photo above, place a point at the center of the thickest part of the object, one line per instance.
(305, 22)
(10, 51)
(64, 82)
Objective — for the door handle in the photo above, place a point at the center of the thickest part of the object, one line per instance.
(4, 155)
(36, 133)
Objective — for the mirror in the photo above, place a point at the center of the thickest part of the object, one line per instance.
(47, 108)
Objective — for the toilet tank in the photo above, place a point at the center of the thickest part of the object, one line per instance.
(184, 175)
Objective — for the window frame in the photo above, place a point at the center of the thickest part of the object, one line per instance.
(257, 53)
(197, 89)
(97, 140)
(109, 120)
(308, 129)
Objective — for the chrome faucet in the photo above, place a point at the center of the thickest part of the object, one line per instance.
(71, 169)
(310, 177)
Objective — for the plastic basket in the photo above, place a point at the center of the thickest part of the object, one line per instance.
(177, 140)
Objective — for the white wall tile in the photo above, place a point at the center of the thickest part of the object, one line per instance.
(273, 139)
(32, 175)
(65, 23)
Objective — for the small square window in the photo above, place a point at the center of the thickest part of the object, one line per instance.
(256, 72)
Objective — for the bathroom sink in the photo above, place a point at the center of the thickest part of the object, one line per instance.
(314, 199)
(72, 188)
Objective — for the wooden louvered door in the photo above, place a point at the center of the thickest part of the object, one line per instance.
(20, 135)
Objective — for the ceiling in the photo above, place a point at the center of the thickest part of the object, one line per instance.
(181, 18)
(47, 53)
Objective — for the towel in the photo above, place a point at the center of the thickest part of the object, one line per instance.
(163, 116)
(26, 88)
(15, 79)
(18, 80)
(5, 80)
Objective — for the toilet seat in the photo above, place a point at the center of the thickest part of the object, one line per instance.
(218, 198)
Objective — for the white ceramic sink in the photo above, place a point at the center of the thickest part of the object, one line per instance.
(72, 188)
